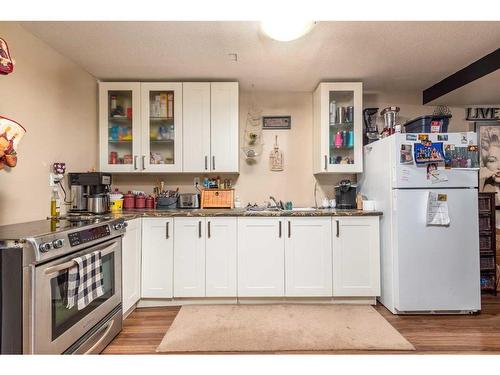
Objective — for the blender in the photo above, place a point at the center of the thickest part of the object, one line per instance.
(390, 116)
(370, 120)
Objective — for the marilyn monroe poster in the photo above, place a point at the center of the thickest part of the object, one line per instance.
(489, 168)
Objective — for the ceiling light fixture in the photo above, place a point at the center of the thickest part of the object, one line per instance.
(286, 30)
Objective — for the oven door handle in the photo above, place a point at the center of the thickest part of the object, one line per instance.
(71, 263)
(104, 335)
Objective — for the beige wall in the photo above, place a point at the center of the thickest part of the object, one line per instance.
(296, 183)
(55, 100)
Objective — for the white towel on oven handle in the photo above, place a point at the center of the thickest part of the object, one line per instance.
(85, 281)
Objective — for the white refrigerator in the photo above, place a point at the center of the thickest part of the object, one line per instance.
(424, 268)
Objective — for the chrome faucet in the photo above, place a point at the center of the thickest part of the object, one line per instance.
(277, 205)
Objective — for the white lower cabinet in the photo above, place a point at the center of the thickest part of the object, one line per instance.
(196, 257)
(261, 257)
(308, 257)
(157, 257)
(131, 264)
(221, 246)
(189, 257)
(356, 256)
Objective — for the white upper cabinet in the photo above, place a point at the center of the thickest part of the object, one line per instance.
(356, 257)
(338, 128)
(221, 254)
(161, 130)
(157, 257)
(187, 127)
(119, 126)
(308, 257)
(261, 257)
(189, 257)
(196, 134)
(224, 131)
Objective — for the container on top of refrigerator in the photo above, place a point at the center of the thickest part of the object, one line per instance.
(428, 124)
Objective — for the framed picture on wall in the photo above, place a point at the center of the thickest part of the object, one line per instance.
(276, 122)
(488, 134)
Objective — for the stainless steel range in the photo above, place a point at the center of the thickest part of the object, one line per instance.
(34, 260)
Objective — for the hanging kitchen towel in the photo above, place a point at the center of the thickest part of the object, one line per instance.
(85, 280)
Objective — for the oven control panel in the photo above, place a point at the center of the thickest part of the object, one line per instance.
(87, 235)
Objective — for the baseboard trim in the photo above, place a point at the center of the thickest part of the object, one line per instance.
(160, 302)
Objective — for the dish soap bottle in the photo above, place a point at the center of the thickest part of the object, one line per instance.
(55, 204)
(237, 202)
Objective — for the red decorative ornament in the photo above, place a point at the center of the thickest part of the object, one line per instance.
(6, 61)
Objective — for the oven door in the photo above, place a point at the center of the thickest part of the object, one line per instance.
(55, 327)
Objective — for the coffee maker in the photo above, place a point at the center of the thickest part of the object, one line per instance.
(90, 192)
(345, 195)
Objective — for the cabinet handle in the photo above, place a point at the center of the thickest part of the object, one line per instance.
(167, 234)
(135, 162)
(143, 162)
(338, 228)
(206, 162)
(213, 163)
(279, 231)
(289, 229)
(326, 164)
(208, 229)
(199, 229)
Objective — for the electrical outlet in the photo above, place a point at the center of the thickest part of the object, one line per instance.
(196, 181)
(54, 178)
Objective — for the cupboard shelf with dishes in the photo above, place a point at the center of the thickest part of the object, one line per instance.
(155, 115)
(338, 128)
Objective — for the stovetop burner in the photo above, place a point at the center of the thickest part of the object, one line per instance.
(85, 217)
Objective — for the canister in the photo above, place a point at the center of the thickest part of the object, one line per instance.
(116, 201)
(340, 115)
(128, 201)
(150, 202)
(338, 140)
(140, 201)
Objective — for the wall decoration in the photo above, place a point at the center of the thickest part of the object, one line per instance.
(6, 61)
(482, 114)
(252, 138)
(276, 122)
(11, 133)
(276, 161)
(489, 158)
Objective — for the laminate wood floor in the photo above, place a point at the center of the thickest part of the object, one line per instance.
(430, 334)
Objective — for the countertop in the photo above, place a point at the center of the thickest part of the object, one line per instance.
(18, 232)
(239, 212)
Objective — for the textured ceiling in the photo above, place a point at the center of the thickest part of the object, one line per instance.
(399, 56)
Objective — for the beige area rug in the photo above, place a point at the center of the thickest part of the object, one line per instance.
(264, 328)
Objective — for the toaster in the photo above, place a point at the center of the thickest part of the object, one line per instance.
(189, 200)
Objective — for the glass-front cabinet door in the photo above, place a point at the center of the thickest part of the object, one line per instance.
(161, 148)
(338, 127)
(119, 124)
